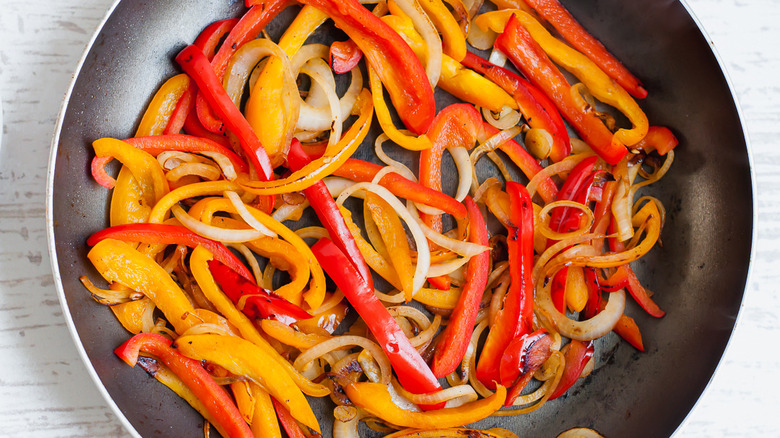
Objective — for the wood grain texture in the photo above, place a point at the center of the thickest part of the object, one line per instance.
(44, 390)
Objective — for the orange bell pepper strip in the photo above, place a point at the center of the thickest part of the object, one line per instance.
(364, 171)
(516, 316)
(327, 163)
(119, 262)
(576, 35)
(456, 336)
(394, 236)
(216, 401)
(266, 109)
(197, 66)
(658, 138)
(244, 358)
(163, 104)
(375, 399)
(457, 125)
(597, 82)
(390, 57)
(537, 109)
(526, 54)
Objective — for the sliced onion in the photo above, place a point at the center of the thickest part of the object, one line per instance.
(586, 330)
(223, 235)
(481, 39)
(465, 171)
(506, 119)
(202, 170)
(439, 269)
(472, 368)
(429, 34)
(289, 211)
(250, 258)
(110, 297)
(423, 253)
(339, 342)
(497, 57)
(319, 71)
(563, 166)
(493, 142)
(380, 153)
(543, 225)
(246, 215)
(243, 62)
(336, 185)
(466, 249)
(228, 169)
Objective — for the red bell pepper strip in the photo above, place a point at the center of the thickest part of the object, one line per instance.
(248, 28)
(413, 373)
(537, 108)
(516, 317)
(210, 37)
(288, 422)
(593, 306)
(576, 35)
(575, 182)
(171, 235)
(523, 356)
(626, 327)
(260, 304)
(635, 288)
(527, 163)
(577, 355)
(457, 125)
(195, 64)
(659, 138)
(323, 204)
(186, 143)
(558, 289)
(343, 56)
(390, 56)
(455, 339)
(207, 41)
(442, 282)
(364, 171)
(526, 54)
(215, 399)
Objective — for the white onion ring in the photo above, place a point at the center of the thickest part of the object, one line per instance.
(338, 342)
(223, 235)
(587, 330)
(465, 171)
(246, 215)
(460, 247)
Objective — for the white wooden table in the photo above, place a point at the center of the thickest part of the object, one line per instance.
(44, 390)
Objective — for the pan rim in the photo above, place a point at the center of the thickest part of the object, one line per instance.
(57, 277)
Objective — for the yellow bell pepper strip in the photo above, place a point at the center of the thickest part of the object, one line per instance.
(197, 66)
(413, 373)
(457, 125)
(375, 260)
(119, 262)
(409, 142)
(171, 235)
(266, 110)
(264, 421)
(454, 341)
(206, 188)
(325, 165)
(199, 267)
(146, 171)
(452, 38)
(343, 56)
(576, 35)
(394, 236)
(328, 212)
(216, 401)
(526, 54)
(445, 299)
(598, 83)
(257, 302)
(538, 110)
(131, 314)
(244, 358)
(390, 57)
(248, 28)
(375, 399)
(159, 111)
(516, 316)
(289, 336)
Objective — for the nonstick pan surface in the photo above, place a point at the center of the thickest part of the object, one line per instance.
(699, 274)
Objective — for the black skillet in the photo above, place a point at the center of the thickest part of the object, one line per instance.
(699, 274)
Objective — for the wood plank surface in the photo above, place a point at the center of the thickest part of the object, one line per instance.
(44, 389)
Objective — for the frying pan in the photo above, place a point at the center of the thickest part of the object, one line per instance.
(699, 274)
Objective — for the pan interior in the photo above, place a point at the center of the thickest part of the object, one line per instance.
(698, 274)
